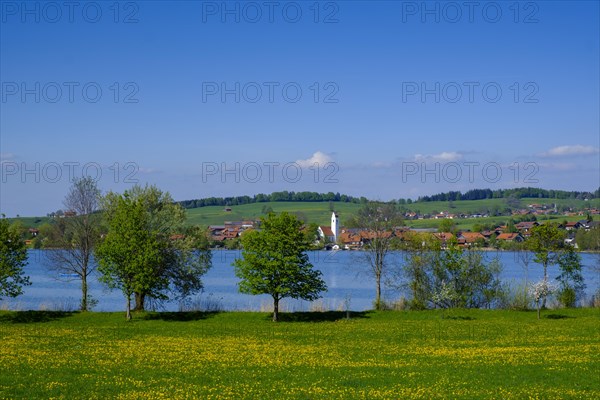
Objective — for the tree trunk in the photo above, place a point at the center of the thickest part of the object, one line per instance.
(139, 301)
(84, 293)
(378, 294)
(275, 309)
(128, 308)
(545, 280)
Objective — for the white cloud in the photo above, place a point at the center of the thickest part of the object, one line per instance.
(571, 150)
(6, 157)
(445, 156)
(318, 157)
(143, 170)
(557, 167)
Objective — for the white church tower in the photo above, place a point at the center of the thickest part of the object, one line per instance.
(335, 226)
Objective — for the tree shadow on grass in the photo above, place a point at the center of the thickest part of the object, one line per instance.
(181, 316)
(26, 317)
(320, 316)
(459, 317)
(557, 316)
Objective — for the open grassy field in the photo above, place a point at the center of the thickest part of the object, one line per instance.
(375, 355)
(320, 212)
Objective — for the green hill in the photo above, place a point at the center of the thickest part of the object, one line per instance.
(320, 212)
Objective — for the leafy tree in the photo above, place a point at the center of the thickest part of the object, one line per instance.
(274, 262)
(13, 258)
(75, 237)
(311, 231)
(378, 221)
(570, 278)
(472, 282)
(588, 240)
(421, 252)
(447, 225)
(232, 244)
(147, 252)
(546, 242)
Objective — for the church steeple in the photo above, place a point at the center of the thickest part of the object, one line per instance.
(335, 225)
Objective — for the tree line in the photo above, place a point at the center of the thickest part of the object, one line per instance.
(138, 242)
(275, 196)
(529, 192)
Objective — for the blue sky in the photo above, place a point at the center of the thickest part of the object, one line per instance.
(379, 99)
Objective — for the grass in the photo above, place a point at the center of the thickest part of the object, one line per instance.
(320, 212)
(422, 355)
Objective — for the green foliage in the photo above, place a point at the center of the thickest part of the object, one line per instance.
(422, 251)
(144, 254)
(588, 240)
(274, 262)
(567, 297)
(546, 241)
(450, 278)
(447, 225)
(13, 258)
(571, 280)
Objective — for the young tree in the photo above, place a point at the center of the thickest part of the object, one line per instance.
(145, 253)
(570, 278)
(76, 236)
(540, 291)
(473, 282)
(378, 221)
(546, 242)
(274, 262)
(13, 258)
(421, 252)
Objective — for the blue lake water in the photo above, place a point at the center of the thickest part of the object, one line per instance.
(343, 271)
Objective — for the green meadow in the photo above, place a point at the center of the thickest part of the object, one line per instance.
(320, 212)
(459, 354)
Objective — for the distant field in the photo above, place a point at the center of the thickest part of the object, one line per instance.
(474, 206)
(320, 212)
(458, 354)
(31, 222)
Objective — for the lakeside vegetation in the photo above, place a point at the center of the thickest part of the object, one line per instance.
(462, 354)
(447, 346)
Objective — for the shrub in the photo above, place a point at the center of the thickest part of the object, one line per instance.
(567, 297)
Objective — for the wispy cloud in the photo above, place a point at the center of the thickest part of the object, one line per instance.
(445, 156)
(318, 157)
(6, 157)
(571, 150)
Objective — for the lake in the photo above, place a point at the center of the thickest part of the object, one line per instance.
(342, 271)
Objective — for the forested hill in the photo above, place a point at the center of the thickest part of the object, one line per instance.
(275, 196)
(475, 194)
(481, 194)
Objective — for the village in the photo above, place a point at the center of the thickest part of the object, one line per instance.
(337, 237)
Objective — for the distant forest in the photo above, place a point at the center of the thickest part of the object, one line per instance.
(275, 196)
(475, 194)
(480, 194)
